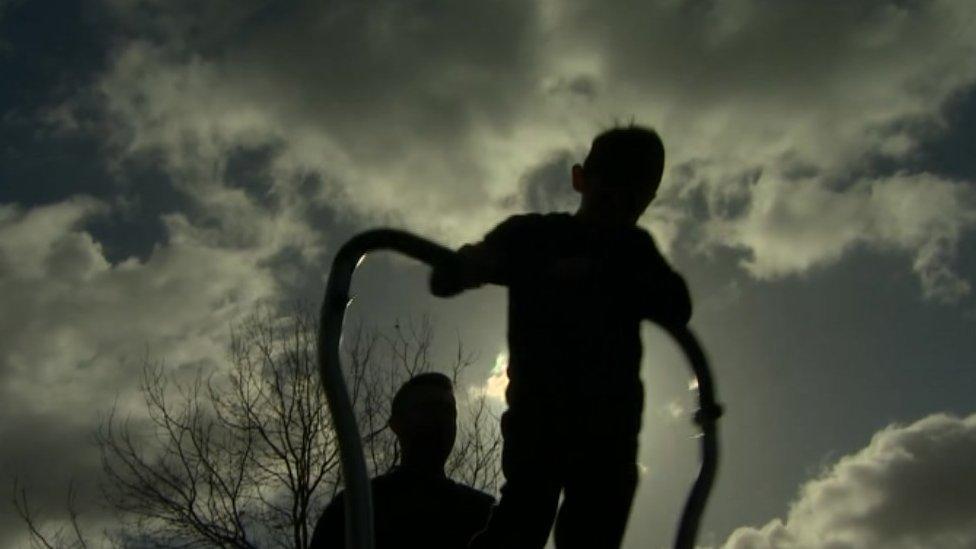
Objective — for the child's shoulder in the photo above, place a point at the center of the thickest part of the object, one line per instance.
(535, 219)
(532, 223)
(644, 244)
(643, 236)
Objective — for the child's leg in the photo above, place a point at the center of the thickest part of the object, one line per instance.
(524, 515)
(522, 519)
(595, 508)
(599, 484)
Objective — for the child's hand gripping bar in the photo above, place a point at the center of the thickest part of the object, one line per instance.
(359, 508)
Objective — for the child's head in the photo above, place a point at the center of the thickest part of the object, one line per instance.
(620, 175)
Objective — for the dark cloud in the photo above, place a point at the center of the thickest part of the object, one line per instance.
(714, 51)
(45, 453)
(373, 96)
(949, 152)
(52, 129)
(548, 186)
(704, 199)
(249, 168)
(383, 75)
(49, 51)
(581, 86)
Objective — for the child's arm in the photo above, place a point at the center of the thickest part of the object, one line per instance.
(666, 299)
(474, 268)
(485, 262)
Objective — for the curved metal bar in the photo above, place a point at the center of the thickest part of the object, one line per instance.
(359, 505)
(707, 418)
(359, 509)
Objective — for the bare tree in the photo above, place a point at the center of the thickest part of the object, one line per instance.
(59, 538)
(249, 457)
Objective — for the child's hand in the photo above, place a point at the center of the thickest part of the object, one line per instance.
(452, 278)
(445, 281)
(485, 262)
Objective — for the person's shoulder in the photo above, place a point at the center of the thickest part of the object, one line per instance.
(380, 482)
(553, 218)
(384, 488)
(643, 237)
(472, 496)
(392, 486)
(337, 502)
(538, 218)
(329, 528)
(640, 232)
(536, 223)
(476, 495)
(515, 228)
(519, 220)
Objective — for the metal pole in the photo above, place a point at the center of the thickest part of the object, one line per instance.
(359, 509)
(707, 419)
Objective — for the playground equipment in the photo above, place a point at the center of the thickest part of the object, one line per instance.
(359, 509)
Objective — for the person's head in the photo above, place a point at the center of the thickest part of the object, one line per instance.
(424, 419)
(620, 175)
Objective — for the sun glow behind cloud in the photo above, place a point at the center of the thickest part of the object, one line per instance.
(494, 387)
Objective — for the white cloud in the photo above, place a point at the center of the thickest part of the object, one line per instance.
(430, 118)
(80, 325)
(76, 329)
(912, 487)
(775, 119)
(795, 225)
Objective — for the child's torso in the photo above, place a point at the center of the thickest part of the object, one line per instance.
(574, 334)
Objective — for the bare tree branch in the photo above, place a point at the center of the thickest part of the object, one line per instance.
(58, 539)
(249, 457)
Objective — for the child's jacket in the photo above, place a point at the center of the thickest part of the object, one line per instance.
(576, 298)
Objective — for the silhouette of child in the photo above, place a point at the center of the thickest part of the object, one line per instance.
(578, 287)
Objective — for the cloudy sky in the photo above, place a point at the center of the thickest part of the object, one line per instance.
(164, 167)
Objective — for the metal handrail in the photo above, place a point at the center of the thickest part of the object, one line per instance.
(359, 508)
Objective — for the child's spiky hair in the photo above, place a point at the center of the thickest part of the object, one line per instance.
(626, 155)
